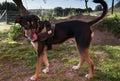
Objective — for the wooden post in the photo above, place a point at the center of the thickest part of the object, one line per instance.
(6, 17)
(112, 10)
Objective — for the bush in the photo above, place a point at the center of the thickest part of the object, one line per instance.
(111, 24)
(15, 32)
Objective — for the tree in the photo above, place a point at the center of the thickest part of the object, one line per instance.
(98, 8)
(58, 11)
(86, 5)
(10, 6)
(1, 6)
(118, 4)
(22, 9)
(112, 7)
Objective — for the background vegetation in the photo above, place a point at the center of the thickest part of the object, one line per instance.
(10, 6)
(112, 24)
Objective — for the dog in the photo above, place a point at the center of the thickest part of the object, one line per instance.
(43, 36)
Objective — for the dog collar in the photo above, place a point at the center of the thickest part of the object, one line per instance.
(50, 32)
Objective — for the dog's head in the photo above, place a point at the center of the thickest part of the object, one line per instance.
(31, 26)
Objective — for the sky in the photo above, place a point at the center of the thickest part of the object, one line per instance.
(51, 4)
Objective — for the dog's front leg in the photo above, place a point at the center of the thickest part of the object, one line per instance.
(38, 68)
(46, 62)
(40, 49)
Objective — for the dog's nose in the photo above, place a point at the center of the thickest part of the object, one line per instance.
(28, 36)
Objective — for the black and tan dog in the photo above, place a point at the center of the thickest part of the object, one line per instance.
(43, 36)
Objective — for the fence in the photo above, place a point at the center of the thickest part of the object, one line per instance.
(8, 16)
(2, 15)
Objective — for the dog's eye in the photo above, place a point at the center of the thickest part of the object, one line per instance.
(26, 27)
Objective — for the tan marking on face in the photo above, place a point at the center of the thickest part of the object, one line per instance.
(28, 23)
(32, 23)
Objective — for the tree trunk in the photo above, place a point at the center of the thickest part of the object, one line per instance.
(22, 9)
(86, 5)
(112, 10)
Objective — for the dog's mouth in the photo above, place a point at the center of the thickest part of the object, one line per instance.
(33, 38)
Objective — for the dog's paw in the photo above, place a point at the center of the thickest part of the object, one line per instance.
(89, 76)
(33, 78)
(75, 67)
(46, 70)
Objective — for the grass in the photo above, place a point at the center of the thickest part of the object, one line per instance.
(106, 59)
(58, 18)
(108, 69)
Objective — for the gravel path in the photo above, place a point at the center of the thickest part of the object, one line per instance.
(3, 26)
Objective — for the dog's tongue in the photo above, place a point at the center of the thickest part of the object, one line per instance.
(35, 37)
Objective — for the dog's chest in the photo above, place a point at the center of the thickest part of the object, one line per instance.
(35, 45)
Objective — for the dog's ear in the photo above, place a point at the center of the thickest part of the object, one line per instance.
(18, 20)
(47, 23)
(37, 18)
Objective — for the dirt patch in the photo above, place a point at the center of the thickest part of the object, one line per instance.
(105, 38)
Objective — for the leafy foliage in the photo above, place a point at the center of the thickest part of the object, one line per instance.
(59, 11)
(112, 24)
(15, 32)
(98, 8)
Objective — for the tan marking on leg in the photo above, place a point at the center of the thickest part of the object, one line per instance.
(84, 55)
(90, 63)
(35, 45)
(92, 35)
(79, 64)
(45, 59)
(38, 66)
(81, 60)
(46, 62)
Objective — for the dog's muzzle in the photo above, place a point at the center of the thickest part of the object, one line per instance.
(32, 38)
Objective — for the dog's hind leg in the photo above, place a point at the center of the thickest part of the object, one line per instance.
(81, 61)
(83, 42)
(79, 64)
(84, 53)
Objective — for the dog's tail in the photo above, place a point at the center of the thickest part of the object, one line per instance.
(105, 9)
